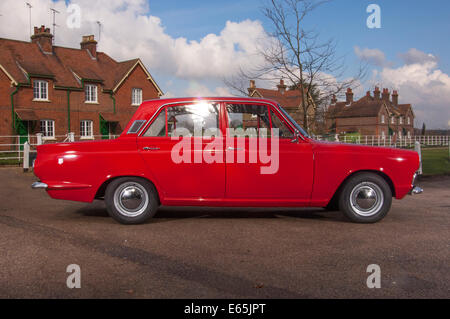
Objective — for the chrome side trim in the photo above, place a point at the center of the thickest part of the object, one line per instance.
(37, 185)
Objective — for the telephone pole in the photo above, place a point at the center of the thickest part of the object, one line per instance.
(54, 23)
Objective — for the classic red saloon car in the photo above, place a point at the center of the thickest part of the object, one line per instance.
(224, 152)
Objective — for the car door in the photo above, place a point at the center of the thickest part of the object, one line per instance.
(287, 175)
(177, 164)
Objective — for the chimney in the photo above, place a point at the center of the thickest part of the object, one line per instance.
(368, 93)
(333, 99)
(349, 96)
(395, 97)
(252, 84)
(281, 87)
(376, 93)
(43, 38)
(88, 43)
(386, 95)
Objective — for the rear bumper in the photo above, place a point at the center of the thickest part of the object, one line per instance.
(37, 185)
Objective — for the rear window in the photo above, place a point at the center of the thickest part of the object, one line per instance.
(136, 126)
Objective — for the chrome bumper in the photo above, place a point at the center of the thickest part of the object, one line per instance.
(37, 185)
(416, 190)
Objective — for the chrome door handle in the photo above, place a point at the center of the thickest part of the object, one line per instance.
(150, 148)
(234, 149)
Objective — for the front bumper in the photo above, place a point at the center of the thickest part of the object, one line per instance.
(415, 190)
(37, 185)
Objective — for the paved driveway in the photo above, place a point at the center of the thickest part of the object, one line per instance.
(220, 253)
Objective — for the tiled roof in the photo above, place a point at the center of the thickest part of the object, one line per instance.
(20, 58)
(366, 106)
(288, 99)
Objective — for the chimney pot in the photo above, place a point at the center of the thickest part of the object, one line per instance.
(395, 97)
(349, 96)
(43, 37)
(281, 87)
(376, 93)
(88, 43)
(386, 95)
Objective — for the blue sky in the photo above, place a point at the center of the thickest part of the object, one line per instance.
(405, 23)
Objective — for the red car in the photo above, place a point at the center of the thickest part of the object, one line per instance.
(224, 152)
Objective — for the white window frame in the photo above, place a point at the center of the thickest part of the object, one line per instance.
(382, 118)
(401, 120)
(409, 120)
(45, 129)
(40, 89)
(88, 128)
(136, 96)
(393, 120)
(90, 93)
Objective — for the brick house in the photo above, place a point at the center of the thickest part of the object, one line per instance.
(290, 100)
(371, 115)
(55, 90)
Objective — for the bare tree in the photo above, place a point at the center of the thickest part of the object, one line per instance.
(298, 55)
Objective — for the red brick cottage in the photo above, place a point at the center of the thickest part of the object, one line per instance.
(56, 90)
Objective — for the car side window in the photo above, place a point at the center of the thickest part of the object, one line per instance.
(158, 126)
(192, 119)
(249, 119)
(283, 130)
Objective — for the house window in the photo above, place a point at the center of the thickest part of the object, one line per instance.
(86, 129)
(40, 90)
(136, 96)
(409, 120)
(383, 136)
(393, 120)
(401, 120)
(48, 128)
(91, 93)
(409, 133)
(382, 119)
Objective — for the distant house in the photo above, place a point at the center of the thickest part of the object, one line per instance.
(55, 90)
(371, 115)
(290, 100)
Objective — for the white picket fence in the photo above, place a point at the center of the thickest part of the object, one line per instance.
(15, 150)
(389, 141)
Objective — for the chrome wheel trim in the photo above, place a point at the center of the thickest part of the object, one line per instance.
(366, 199)
(131, 199)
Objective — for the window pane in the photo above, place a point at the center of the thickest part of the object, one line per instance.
(158, 126)
(190, 119)
(250, 118)
(283, 130)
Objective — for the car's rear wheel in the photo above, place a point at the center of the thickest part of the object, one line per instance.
(365, 198)
(131, 200)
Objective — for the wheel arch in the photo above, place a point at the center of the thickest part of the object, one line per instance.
(102, 189)
(388, 180)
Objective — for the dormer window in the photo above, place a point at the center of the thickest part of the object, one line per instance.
(40, 90)
(401, 120)
(409, 120)
(91, 93)
(382, 119)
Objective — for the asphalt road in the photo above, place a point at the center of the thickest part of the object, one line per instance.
(220, 253)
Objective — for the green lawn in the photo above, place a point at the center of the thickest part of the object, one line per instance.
(435, 161)
(8, 161)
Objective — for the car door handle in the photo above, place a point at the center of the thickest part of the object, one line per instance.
(234, 149)
(147, 148)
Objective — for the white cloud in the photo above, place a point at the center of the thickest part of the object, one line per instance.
(198, 90)
(372, 56)
(415, 56)
(128, 32)
(424, 86)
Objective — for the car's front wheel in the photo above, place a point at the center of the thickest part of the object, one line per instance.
(131, 200)
(365, 198)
